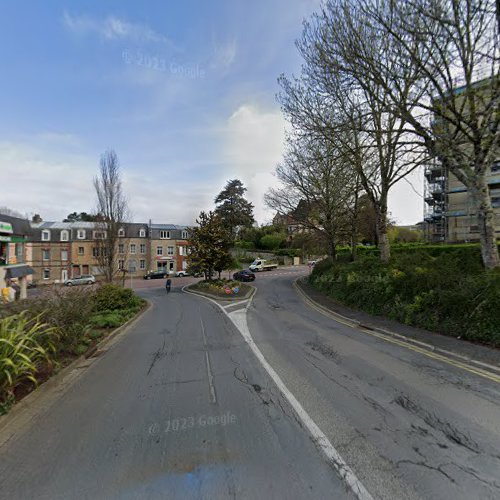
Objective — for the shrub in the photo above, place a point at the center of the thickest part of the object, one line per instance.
(66, 310)
(447, 291)
(25, 344)
(112, 297)
(80, 349)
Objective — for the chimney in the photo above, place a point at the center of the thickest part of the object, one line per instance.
(36, 219)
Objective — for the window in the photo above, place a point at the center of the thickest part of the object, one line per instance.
(81, 251)
(19, 252)
(121, 264)
(164, 235)
(495, 167)
(170, 250)
(99, 235)
(184, 235)
(132, 248)
(64, 255)
(159, 250)
(46, 254)
(121, 248)
(142, 233)
(45, 235)
(132, 266)
(64, 235)
(80, 234)
(143, 248)
(495, 202)
(142, 264)
(121, 232)
(46, 274)
(96, 252)
(181, 250)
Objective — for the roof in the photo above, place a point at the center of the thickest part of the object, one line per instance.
(19, 226)
(171, 227)
(63, 225)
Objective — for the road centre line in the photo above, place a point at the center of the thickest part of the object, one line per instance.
(213, 398)
(238, 318)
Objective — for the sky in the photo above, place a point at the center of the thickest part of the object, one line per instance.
(184, 92)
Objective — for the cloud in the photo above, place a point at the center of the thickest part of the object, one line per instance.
(254, 140)
(113, 28)
(54, 180)
(37, 181)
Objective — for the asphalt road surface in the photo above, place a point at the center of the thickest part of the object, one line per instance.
(179, 408)
(182, 407)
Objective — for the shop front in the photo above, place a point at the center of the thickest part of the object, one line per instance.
(13, 270)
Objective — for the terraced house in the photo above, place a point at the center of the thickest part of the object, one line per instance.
(168, 247)
(63, 250)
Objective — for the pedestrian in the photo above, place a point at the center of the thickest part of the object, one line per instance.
(168, 284)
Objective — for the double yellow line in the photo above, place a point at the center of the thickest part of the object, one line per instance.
(494, 377)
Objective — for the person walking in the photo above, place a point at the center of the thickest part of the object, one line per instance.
(168, 284)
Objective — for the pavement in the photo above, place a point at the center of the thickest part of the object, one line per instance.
(266, 398)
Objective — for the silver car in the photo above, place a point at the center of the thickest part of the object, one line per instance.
(84, 279)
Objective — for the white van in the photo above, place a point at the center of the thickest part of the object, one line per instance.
(262, 265)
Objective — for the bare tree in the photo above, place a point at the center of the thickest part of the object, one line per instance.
(451, 50)
(112, 207)
(317, 191)
(334, 102)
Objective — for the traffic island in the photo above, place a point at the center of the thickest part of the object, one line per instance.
(222, 290)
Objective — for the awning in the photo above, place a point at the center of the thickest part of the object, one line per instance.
(18, 272)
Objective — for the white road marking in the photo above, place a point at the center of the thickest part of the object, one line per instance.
(239, 319)
(213, 398)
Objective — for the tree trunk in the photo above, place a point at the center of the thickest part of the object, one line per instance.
(332, 249)
(354, 245)
(383, 239)
(486, 223)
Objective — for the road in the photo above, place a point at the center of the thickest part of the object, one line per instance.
(182, 407)
(179, 408)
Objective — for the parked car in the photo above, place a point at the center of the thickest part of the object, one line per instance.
(156, 275)
(84, 279)
(181, 274)
(244, 275)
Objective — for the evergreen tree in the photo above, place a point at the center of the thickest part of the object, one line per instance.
(209, 245)
(234, 210)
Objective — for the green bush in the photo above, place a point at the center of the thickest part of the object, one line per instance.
(112, 318)
(443, 291)
(66, 310)
(113, 297)
(25, 345)
(80, 349)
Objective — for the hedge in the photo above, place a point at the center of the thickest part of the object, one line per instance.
(443, 289)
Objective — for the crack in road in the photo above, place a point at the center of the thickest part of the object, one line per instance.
(427, 466)
(325, 350)
(450, 431)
